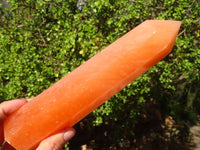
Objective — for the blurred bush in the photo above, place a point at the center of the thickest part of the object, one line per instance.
(43, 40)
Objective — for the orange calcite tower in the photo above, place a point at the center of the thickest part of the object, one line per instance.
(91, 84)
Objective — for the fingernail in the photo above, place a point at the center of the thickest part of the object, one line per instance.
(68, 135)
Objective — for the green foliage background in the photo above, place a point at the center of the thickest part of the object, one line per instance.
(43, 40)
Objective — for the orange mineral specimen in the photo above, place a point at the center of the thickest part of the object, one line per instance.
(91, 84)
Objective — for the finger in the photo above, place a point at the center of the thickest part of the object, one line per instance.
(57, 141)
(8, 107)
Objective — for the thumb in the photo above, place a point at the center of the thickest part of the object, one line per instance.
(57, 141)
